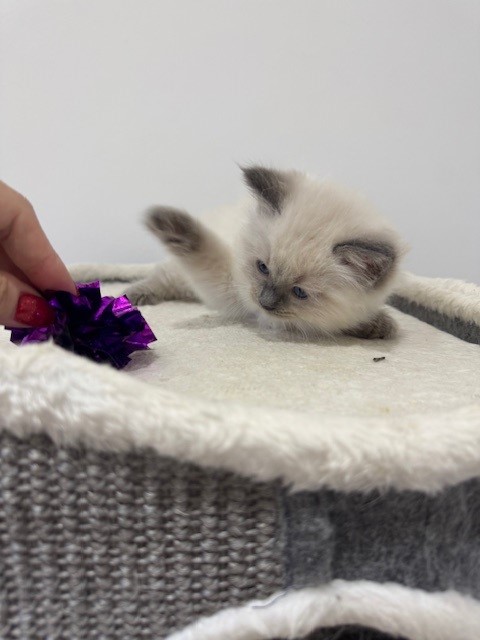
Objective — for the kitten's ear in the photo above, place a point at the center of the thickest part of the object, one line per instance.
(269, 185)
(370, 262)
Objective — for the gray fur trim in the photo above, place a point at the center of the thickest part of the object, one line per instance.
(428, 542)
(463, 329)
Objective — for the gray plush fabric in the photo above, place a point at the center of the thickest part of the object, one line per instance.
(468, 331)
(114, 546)
(425, 542)
(108, 546)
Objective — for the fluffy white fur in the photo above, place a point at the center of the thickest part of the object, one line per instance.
(45, 389)
(318, 236)
(451, 297)
(117, 272)
(391, 608)
(298, 244)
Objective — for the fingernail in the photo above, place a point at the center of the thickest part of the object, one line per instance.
(34, 311)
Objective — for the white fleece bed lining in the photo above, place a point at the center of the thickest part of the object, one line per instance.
(391, 608)
(46, 390)
(349, 442)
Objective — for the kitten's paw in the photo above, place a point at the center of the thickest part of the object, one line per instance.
(140, 294)
(381, 327)
(177, 229)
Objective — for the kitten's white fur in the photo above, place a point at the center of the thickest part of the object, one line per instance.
(315, 235)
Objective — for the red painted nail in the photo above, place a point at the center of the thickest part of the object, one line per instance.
(34, 311)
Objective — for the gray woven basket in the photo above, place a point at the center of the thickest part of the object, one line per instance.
(98, 544)
(118, 546)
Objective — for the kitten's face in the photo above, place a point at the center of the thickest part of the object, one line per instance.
(292, 281)
(308, 259)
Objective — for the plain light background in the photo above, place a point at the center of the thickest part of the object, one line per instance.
(108, 106)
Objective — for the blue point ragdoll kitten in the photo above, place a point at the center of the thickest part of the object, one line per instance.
(310, 257)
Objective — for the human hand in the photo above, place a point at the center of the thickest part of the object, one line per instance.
(28, 264)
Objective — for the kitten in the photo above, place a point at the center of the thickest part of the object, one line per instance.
(311, 257)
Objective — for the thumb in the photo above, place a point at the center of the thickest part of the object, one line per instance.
(21, 305)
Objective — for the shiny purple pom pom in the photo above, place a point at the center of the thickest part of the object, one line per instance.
(104, 329)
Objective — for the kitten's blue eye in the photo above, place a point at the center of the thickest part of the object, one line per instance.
(262, 267)
(300, 293)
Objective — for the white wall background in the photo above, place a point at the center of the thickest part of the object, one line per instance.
(107, 106)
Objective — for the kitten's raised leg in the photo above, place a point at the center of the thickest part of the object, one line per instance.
(382, 326)
(163, 284)
(202, 256)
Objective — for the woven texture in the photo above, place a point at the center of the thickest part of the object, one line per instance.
(106, 546)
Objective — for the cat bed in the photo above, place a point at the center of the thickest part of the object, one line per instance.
(232, 484)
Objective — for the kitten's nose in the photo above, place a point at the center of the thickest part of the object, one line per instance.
(269, 298)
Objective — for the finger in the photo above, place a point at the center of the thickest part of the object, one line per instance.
(20, 304)
(26, 244)
(6, 264)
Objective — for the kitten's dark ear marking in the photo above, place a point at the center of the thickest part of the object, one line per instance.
(370, 261)
(270, 185)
